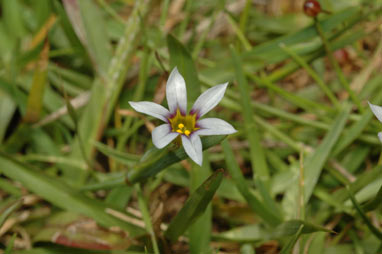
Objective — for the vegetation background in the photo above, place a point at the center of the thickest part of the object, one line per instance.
(78, 171)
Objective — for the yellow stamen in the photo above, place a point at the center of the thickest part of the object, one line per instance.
(183, 124)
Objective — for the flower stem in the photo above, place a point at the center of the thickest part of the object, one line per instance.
(312, 73)
(337, 68)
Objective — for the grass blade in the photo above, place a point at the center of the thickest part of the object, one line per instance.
(247, 233)
(90, 27)
(144, 69)
(291, 227)
(35, 98)
(355, 130)
(199, 233)
(12, 17)
(255, 232)
(194, 206)
(156, 161)
(5, 213)
(289, 246)
(315, 162)
(245, 43)
(368, 223)
(312, 73)
(105, 92)
(61, 195)
(375, 202)
(161, 159)
(272, 50)
(9, 248)
(259, 165)
(146, 218)
(121, 157)
(257, 206)
(337, 68)
(7, 109)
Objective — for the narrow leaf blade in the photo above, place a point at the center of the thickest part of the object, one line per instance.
(194, 206)
(161, 159)
(315, 162)
(60, 194)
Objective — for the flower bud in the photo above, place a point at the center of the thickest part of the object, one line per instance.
(342, 56)
(312, 8)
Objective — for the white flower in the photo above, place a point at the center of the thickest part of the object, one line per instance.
(186, 126)
(377, 110)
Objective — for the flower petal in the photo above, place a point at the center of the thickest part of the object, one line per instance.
(214, 126)
(209, 99)
(151, 108)
(176, 92)
(162, 135)
(377, 110)
(193, 147)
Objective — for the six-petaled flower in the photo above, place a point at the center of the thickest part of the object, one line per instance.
(184, 125)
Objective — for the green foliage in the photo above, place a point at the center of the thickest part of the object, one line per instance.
(61, 194)
(194, 206)
(77, 162)
(7, 211)
(158, 160)
(256, 205)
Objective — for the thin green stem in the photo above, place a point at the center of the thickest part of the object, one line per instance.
(301, 188)
(244, 15)
(368, 223)
(312, 73)
(337, 68)
(110, 11)
(163, 15)
(146, 218)
(239, 33)
(278, 134)
(199, 45)
(301, 102)
(258, 161)
(138, 95)
(186, 20)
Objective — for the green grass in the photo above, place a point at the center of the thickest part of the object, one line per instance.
(79, 172)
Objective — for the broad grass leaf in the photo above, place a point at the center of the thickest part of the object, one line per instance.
(194, 206)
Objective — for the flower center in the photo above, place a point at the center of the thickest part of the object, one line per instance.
(183, 124)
